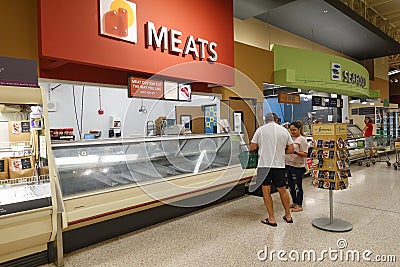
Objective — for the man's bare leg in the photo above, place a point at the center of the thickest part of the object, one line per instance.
(285, 201)
(266, 189)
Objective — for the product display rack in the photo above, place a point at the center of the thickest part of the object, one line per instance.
(27, 195)
(331, 172)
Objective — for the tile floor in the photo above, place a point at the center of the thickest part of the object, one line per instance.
(230, 234)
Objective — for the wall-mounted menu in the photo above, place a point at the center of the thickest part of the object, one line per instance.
(145, 88)
(156, 89)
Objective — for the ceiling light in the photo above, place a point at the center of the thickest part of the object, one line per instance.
(393, 72)
(325, 11)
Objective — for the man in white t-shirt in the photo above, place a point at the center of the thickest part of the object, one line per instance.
(273, 142)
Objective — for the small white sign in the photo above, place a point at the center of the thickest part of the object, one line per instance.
(185, 92)
(170, 90)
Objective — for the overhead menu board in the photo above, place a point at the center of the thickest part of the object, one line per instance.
(145, 88)
(320, 101)
(157, 89)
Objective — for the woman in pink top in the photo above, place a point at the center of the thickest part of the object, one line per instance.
(296, 165)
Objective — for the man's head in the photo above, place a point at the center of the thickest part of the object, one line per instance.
(271, 117)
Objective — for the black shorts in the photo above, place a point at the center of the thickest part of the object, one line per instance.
(274, 175)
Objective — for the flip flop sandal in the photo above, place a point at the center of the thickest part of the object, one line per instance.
(286, 220)
(293, 206)
(296, 209)
(268, 223)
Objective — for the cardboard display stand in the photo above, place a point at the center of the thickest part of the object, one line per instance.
(331, 168)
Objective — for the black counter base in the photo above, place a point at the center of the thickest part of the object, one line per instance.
(95, 233)
(33, 260)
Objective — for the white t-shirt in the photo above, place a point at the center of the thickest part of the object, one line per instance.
(272, 140)
(300, 145)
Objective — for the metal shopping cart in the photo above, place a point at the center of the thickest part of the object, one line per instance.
(380, 144)
(397, 151)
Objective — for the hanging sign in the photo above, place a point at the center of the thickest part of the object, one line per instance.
(18, 72)
(145, 88)
(289, 98)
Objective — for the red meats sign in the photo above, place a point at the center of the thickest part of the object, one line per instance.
(106, 41)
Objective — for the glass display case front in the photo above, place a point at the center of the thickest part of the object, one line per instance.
(353, 131)
(356, 142)
(95, 166)
(394, 129)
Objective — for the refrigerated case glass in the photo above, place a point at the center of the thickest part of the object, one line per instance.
(379, 121)
(393, 118)
(96, 166)
(353, 131)
(356, 142)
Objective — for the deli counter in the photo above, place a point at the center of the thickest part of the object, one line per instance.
(76, 193)
(115, 186)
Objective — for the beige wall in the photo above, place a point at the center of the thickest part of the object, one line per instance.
(381, 66)
(18, 28)
(253, 67)
(382, 85)
(260, 34)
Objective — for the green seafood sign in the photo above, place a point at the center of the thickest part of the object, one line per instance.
(349, 77)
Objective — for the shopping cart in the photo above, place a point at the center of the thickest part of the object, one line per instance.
(380, 144)
(397, 151)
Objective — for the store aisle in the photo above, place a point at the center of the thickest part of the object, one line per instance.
(231, 234)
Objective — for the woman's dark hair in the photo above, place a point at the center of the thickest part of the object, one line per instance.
(369, 119)
(298, 125)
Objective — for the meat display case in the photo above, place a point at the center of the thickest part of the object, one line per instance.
(106, 180)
